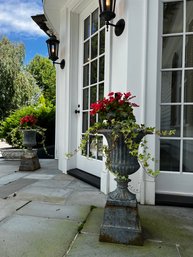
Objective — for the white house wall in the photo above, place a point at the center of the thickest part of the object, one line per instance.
(133, 68)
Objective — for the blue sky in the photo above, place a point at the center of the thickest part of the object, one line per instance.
(17, 25)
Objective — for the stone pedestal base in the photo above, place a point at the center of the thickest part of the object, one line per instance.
(29, 161)
(121, 223)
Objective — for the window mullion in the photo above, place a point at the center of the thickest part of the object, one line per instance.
(182, 90)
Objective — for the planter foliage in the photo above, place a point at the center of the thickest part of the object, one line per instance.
(116, 113)
(45, 115)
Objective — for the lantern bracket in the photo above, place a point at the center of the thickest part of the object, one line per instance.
(107, 13)
(119, 26)
(62, 64)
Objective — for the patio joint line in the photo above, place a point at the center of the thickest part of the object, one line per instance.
(79, 232)
(178, 250)
(23, 205)
(71, 245)
(155, 241)
(89, 233)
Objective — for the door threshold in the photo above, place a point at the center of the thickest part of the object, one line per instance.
(86, 177)
(174, 200)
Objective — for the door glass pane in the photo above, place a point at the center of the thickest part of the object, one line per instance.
(87, 28)
(188, 86)
(92, 120)
(100, 148)
(85, 99)
(170, 155)
(173, 17)
(85, 150)
(188, 121)
(102, 41)
(94, 46)
(187, 156)
(94, 72)
(101, 92)
(95, 21)
(93, 94)
(86, 51)
(84, 121)
(172, 52)
(189, 16)
(92, 147)
(189, 51)
(170, 118)
(101, 68)
(100, 119)
(86, 75)
(171, 86)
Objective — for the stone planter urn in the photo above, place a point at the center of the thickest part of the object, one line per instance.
(29, 159)
(121, 221)
(29, 138)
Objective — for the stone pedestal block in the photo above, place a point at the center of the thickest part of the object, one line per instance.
(29, 161)
(121, 224)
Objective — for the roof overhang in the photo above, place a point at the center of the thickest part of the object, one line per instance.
(52, 10)
(52, 13)
(42, 22)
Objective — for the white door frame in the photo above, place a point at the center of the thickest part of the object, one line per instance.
(71, 13)
(87, 164)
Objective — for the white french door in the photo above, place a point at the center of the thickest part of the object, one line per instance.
(91, 84)
(176, 152)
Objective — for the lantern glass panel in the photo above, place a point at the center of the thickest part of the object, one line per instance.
(107, 9)
(53, 46)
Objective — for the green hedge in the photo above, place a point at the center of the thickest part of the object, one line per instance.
(44, 114)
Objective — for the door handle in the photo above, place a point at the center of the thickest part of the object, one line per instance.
(77, 111)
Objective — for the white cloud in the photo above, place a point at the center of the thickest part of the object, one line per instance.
(15, 17)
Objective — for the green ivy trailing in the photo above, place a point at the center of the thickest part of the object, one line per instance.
(116, 113)
(130, 130)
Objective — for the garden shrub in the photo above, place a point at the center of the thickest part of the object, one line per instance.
(45, 115)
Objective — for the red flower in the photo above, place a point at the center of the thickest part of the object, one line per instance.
(116, 106)
(118, 95)
(121, 102)
(127, 95)
(28, 120)
(111, 99)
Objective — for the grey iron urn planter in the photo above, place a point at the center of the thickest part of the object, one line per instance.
(121, 222)
(29, 159)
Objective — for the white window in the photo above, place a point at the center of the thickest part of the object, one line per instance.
(176, 152)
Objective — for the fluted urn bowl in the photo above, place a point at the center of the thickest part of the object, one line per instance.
(29, 138)
(122, 162)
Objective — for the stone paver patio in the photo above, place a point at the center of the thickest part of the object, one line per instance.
(51, 216)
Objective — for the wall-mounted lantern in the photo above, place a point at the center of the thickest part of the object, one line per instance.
(107, 12)
(53, 46)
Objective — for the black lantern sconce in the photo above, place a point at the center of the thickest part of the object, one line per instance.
(107, 12)
(53, 46)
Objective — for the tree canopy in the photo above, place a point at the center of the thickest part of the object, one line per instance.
(44, 72)
(17, 85)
